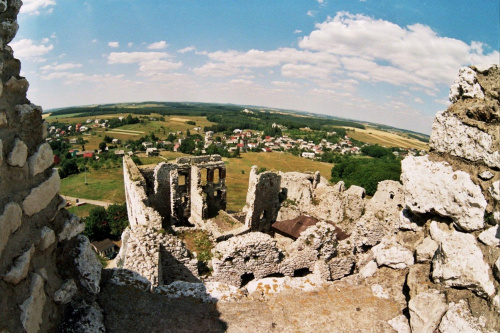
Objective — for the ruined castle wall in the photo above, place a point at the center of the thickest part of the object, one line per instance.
(39, 253)
(263, 200)
(139, 208)
(161, 199)
(197, 200)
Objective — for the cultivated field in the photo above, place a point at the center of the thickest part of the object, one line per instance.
(375, 136)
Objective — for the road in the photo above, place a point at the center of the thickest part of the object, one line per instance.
(89, 201)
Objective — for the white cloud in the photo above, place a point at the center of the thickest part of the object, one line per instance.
(94, 41)
(416, 52)
(311, 13)
(114, 44)
(158, 45)
(321, 2)
(60, 67)
(187, 49)
(27, 49)
(33, 7)
(285, 84)
(130, 44)
(298, 31)
(302, 71)
(150, 63)
(418, 100)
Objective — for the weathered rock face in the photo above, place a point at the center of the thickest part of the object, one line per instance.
(433, 187)
(459, 262)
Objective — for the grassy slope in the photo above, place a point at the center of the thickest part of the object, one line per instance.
(81, 211)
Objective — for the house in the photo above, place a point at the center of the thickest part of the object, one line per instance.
(105, 247)
(176, 147)
(119, 152)
(73, 141)
(308, 155)
(152, 152)
(88, 154)
(267, 150)
(147, 145)
(115, 141)
(197, 129)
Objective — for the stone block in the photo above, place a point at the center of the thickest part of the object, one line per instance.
(425, 251)
(72, 227)
(41, 159)
(3, 119)
(17, 86)
(88, 266)
(32, 307)
(10, 221)
(433, 187)
(458, 318)
(18, 155)
(41, 195)
(66, 292)
(426, 311)
(392, 255)
(495, 190)
(20, 268)
(459, 262)
(47, 238)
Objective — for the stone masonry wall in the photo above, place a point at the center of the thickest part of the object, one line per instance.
(46, 268)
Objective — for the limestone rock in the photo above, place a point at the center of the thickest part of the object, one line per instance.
(379, 291)
(66, 293)
(41, 195)
(8, 30)
(425, 251)
(88, 265)
(72, 227)
(224, 292)
(433, 187)
(84, 317)
(369, 269)
(491, 236)
(495, 190)
(400, 324)
(486, 175)
(450, 135)
(20, 267)
(1, 153)
(210, 292)
(120, 258)
(465, 86)
(355, 202)
(368, 232)
(25, 110)
(18, 155)
(32, 307)
(41, 160)
(392, 255)
(405, 221)
(426, 311)
(340, 267)
(458, 318)
(3, 6)
(125, 277)
(47, 238)
(17, 86)
(10, 221)
(459, 262)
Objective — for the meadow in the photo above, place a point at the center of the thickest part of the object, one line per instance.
(386, 139)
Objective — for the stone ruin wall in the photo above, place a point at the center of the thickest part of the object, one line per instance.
(440, 226)
(47, 269)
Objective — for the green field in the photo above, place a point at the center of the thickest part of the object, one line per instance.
(107, 184)
(103, 184)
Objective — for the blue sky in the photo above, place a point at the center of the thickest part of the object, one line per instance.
(386, 61)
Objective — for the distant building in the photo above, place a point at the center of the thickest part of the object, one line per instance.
(308, 155)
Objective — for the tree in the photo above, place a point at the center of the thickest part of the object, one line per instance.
(97, 224)
(68, 167)
(102, 146)
(108, 139)
(118, 219)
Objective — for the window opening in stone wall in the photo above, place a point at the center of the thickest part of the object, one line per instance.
(302, 272)
(182, 180)
(216, 176)
(245, 278)
(204, 176)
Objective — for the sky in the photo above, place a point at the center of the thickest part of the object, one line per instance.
(383, 61)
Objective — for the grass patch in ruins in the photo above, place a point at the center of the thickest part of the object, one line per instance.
(237, 181)
(199, 242)
(103, 184)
